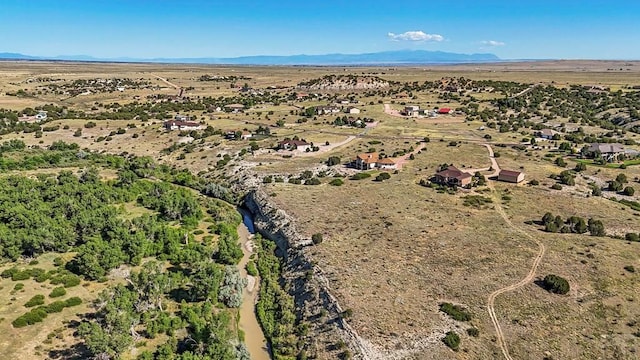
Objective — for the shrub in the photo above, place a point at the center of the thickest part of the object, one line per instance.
(333, 160)
(632, 237)
(35, 301)
(21, 275)
(336, 182)
(556, 187)
(596, 228)
(316, 238)
(476, 201)
(452, 340)
(630, 268)
(8, 273)
(19, 286)
(72, 301)
(473, 332)
(615, 185)
(556, 284)
(90, 125)
(629, 191)
(198, 232)
(383, 176)
(59, 261)
(19, 322)
(560, 162)
(534, 182)
(360, 176)
(313, 181)
(251, 268)
(621, 178)
(67, 281)
(580, 167)
(456, 312)
(57, 292)
(55, 307)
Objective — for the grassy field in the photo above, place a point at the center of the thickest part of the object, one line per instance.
(393, 250)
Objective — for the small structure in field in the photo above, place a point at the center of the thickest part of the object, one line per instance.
(452, 176)
(352, 110)
(511, 176)
(444, 111)
(41, 115)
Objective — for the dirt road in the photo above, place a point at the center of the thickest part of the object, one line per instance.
(167, 81)
(532, 271)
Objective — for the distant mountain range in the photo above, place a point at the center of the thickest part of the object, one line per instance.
(378, 58)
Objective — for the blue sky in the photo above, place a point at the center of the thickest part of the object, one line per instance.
(514, 29)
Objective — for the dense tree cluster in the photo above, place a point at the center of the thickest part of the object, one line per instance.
(573, 224)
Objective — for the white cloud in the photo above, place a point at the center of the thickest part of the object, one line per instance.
(415, 36)
(492, 43)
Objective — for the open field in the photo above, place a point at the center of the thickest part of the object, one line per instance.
(393, 250)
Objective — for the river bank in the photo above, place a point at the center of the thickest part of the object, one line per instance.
(254, 337)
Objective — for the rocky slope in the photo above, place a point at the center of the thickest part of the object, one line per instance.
(313, 299)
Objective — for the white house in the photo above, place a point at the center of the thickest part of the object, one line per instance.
(352, 110)
(181, 125)
(411, 110)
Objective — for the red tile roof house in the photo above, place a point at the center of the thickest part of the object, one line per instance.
(366, 161)
(369, 161)
(444, 111)
(452, 176)
(511, 176)
(294, 145)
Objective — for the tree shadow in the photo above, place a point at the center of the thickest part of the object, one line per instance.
(77, 351)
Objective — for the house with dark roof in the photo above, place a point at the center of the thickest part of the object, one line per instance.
(289, 144)
(608, 151)
(452, 176)
(546, 134)
(511, 176)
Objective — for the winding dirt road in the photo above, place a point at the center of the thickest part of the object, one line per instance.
(532, 271)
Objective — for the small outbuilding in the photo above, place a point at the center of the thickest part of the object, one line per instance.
(511, 176)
